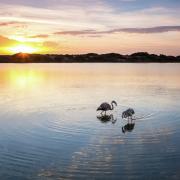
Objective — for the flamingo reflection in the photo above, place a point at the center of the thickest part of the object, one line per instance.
(107, 118)
(128, 127)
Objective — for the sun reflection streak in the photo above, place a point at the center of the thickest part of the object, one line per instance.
(24, 78)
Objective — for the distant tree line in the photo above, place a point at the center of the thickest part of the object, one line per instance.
(140, 57)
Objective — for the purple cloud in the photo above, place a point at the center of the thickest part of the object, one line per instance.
(39, 36)
(159, 29)
(76, 33)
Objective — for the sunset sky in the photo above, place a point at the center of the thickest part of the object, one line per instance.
(83, 26)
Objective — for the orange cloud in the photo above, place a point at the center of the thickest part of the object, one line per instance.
(4, 41)
(12, 23)
(51, 47)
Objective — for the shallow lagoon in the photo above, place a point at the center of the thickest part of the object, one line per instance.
(49, 127)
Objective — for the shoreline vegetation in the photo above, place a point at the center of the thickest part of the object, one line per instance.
(140, 57)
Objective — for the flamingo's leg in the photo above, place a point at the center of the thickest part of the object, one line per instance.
(131, 119)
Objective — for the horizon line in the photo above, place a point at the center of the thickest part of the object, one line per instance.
(129, 54)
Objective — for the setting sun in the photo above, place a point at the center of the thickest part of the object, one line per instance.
(22, 49)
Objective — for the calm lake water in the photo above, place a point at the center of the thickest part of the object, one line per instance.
(49, 127)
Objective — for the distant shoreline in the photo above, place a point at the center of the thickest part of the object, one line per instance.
(140, 57)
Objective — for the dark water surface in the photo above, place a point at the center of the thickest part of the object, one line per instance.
(49, 127)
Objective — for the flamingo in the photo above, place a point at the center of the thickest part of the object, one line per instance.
(106, 107)
(128, 113)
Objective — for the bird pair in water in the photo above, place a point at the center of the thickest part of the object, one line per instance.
(109, 107)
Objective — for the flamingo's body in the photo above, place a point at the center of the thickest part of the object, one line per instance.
(128, 113)
(106, 107)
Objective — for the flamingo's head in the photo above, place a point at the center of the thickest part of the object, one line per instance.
(131, 111)
(114, 102)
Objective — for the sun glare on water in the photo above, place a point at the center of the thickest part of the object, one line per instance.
(22, 49)
(25, 78)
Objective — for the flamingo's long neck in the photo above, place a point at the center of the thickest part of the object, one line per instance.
(112, 106)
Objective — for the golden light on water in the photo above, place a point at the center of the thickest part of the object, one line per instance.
(25, 78)
(22, 49)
